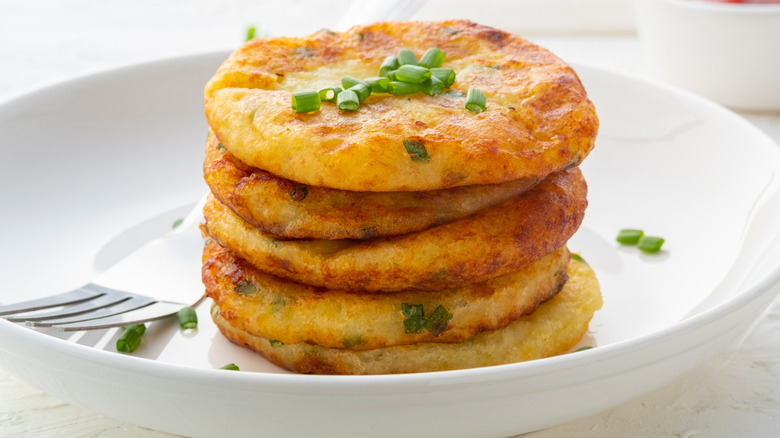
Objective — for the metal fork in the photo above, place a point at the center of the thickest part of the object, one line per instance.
(166, 270)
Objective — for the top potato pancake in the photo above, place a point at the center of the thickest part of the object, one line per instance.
(539, 119)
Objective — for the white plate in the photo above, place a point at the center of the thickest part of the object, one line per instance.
(96, 166)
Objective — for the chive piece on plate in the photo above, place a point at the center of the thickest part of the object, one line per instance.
(250, 33)
(362, 90)
(438, 321)
(389, 64)
(306, 101)
(406, 57)
(329, 94)
(230, 367)
(578, 257)
(377, 84)
(628, 236)
(416, 150)
(348, 82)
(414, 317)
(432, 86)
(413, 74)
(245, 287)
(401, 88)
(432, 58)
(446, 75)
(650, 244)
(130, 338)
(188, 319)
(475, 100)
(348, 100)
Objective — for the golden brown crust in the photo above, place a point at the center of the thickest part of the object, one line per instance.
(493, 242)
(273, 308)
(555, 327)
(538, 118)
(297, 211)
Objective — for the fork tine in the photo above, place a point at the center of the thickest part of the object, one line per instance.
(154, 311)
(72, 297)
(126, 305)
(100, 302)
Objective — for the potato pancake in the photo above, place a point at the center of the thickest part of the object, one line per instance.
(297, 211)
(556, 326)
(270, 307)
(538, 120)
(493, 242)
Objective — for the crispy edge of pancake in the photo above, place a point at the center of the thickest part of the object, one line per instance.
(554, 328)
(292, 210)
(539, 119)
(493, 242)
(270, 307)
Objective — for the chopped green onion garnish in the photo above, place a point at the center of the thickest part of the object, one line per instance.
(348, 100)
(415, 319)
(475, 100)
(396, 87)
(230, 366)
(245, 287)
(587, 347)
(348, 82)
(432, 58)
(329, 94)
(176, 223)
(250, 33)
(406, 57)
(432, 86)
(306, 101)
(416, 150)
(362, 90)
(352, 341)
(414, 74)
(377, 84)
(130, 338)
(650, 243)
(389, 64)
(188, 319)
(446, 75)
(438, 321)
(578, 257)
(629, 236)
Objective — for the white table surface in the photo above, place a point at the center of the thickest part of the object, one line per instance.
(737, 394)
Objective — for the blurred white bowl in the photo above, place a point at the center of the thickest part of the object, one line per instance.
(728, 52)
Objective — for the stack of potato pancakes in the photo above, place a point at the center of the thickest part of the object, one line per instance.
(412, 234)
